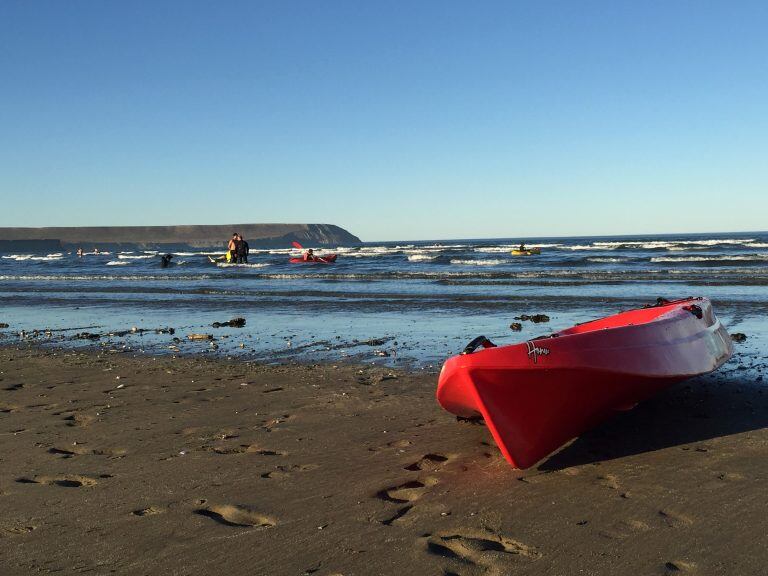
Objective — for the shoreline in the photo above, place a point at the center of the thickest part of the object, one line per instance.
(187, 465)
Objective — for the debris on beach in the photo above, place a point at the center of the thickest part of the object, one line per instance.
(516, 326)
(133, 330)
(233, 323)
(3, 325)
(87, 336)
(200, 336)
(535, 318)
(738, 337)
(374, 341)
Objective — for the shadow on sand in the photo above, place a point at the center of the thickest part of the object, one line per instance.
(694, 411)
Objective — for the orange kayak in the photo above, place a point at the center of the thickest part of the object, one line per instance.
(537, 395)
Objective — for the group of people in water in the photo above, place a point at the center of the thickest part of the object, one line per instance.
(237, 251)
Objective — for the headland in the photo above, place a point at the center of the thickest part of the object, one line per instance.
(172, 237)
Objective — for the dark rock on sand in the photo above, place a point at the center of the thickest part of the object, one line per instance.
(3, 325)
(87, 336)
(535, 318)
(516, 326)
(133, 330)
(375, 342)
(234, 323)
(738, 337)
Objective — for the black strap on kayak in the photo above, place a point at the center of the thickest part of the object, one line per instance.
(476, 343)
(659, 302)
(665, 302)
(695, 310)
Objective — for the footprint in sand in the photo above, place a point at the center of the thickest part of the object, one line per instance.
(397, 515)
(399, 444)
(675, 519)
(246, 449)
(70, 452)
(407, 492)
(150, 511)
(67, 453)
(480, 549)
(609, 481)
(80, 420)
(15, 528)
(281, 472)
(730, 476)
(273, 423)
(68, 481)
(428, 461)
(236, 515)
(625, 529)
(679, 567)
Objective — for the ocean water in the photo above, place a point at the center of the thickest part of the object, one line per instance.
(399, 303)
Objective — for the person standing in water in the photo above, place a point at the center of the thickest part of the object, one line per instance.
(242, 250)
(232, 248)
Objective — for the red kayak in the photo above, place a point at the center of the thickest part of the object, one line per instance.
(328, 259)
(537, 395)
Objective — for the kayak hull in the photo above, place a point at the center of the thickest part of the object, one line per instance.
(327, 259)
(538, 395)
(529, 252)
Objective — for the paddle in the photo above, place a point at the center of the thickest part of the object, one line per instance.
(299, 246)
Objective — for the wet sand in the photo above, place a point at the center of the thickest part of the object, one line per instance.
(112, 464)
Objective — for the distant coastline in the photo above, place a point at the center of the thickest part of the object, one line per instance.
(172, 237)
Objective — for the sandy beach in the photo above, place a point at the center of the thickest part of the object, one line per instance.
(160, 465)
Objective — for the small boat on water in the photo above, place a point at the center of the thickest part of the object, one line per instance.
(538, 395)
(526, 252)
(327, 259)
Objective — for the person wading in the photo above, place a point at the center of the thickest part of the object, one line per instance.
(242, 250)
(232, 248)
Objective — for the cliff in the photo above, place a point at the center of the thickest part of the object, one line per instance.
(175, 237)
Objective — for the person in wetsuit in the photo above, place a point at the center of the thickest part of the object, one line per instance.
(165, 261)
(242, 250)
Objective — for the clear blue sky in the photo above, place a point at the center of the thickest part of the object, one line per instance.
(396, 120)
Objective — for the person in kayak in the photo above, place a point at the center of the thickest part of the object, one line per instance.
(242, 250)
(309, 256)
(522, 247)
